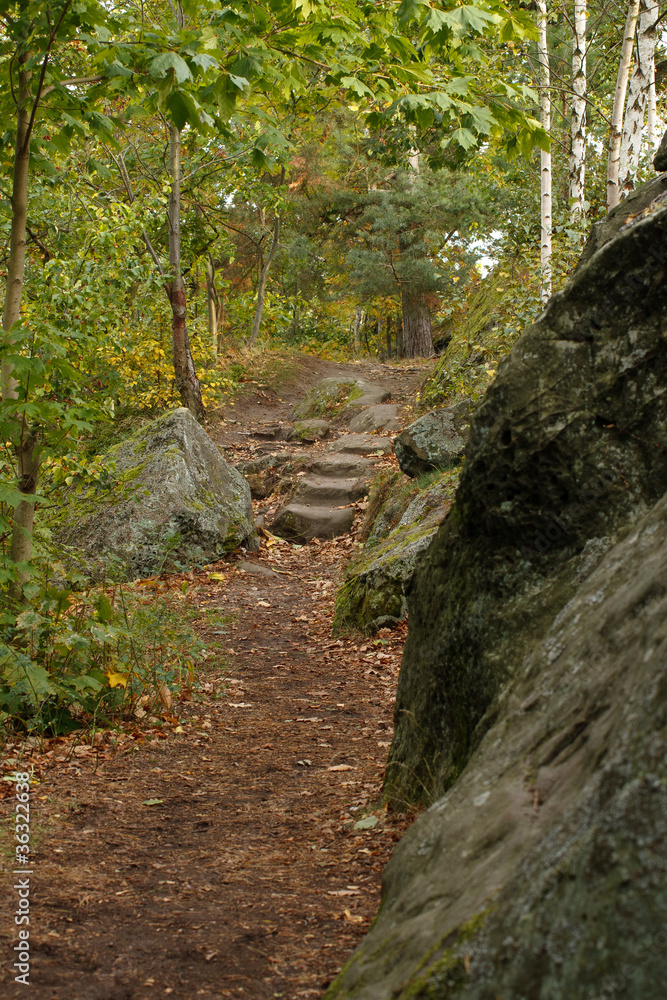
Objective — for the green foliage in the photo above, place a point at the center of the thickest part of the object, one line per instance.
(75, 658)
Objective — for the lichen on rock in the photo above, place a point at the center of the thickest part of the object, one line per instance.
(177, 497)
(374, 592)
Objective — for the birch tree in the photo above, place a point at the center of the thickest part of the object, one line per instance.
(638, 96)
(545, 155)
(616, 131)
(577, 177)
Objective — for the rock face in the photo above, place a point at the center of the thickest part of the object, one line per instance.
(532, 701)
(435, 441)
(566, 449)
(638, 201)
(180, 497)
(543, 871)
(374, 592)
(660, 158)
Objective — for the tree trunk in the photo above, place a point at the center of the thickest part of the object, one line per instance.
(17, 245)
(399, 336)
(388, 337)
(638, 96)
(616, 133)
(652, 115)
(261, 288)
(213, 301)
(545, 156)
(576, 190)
(28, 460)
(416, 325)
(185, 375)
(27, 451)
(358, 318)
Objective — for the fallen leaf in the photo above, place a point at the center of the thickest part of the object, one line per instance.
(352, 918)
(117, 680)
(367, 823)
(152, 802)
(164, 695)
(341, 767)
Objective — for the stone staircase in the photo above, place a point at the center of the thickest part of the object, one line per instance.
(323, 504)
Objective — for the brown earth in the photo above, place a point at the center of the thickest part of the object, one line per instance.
(217, 855)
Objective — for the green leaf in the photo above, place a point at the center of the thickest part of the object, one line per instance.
(463, 137)
(104, 609)
(152, 802)
(162, 64)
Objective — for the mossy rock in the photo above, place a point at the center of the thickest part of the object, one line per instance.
(308, 431)
(374, 592)
(176, 500)
(330, 396)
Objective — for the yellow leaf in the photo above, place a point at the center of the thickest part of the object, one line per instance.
(217, 576)
(117, 680)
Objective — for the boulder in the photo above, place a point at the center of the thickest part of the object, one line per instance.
(566, 450)
(541, 872)
(637, 202)
(383, 417)
(532, 699)
(308, 431)
(660, 158)
(330, 396)
(374, 592)
(299, 523)
(435, 441)
(178, 498)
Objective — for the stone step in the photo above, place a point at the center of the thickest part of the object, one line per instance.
(362, 444)
(375, 418)
(299, 523)
(317, 491)
(345, 467)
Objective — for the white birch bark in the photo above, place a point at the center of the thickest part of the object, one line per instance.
(578, 111)
(638, 96)
(652, 115)
(545, 156)
(616, 131)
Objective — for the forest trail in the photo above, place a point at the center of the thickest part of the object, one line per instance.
(237, 850)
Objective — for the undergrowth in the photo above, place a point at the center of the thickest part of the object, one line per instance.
(77, 658)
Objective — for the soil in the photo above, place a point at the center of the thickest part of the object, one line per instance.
(235, 850)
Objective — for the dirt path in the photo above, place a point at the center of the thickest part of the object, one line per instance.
(257, 866)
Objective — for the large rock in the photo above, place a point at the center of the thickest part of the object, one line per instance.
(179, 499)
(373, 594)
(435, 441)
(566, 449)
(543, 872)
(660, 158)
(330, 396)
(638, 201)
